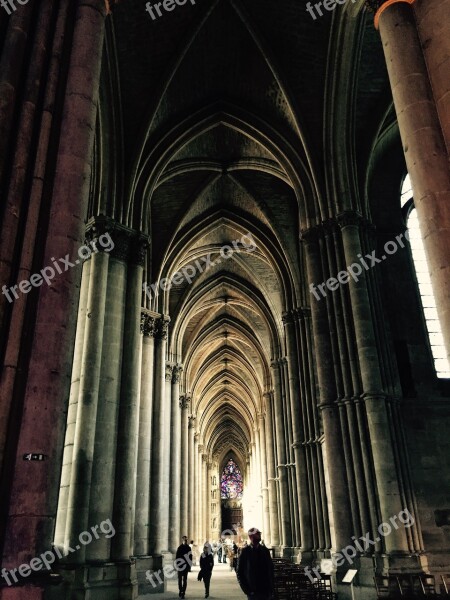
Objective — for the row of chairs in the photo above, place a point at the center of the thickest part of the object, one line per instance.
(412, 586)
(292, 583)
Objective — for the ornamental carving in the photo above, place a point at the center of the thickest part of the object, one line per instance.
(162, 328)
(130, 246)
(147, 325)
(185, 401)
(169, 371)
(176, 375)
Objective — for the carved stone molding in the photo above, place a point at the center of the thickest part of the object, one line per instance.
(130, 246)
(287, 317)
(176, 375)
(148, 324)
(162, 327)
(169, 371)
(185, 402)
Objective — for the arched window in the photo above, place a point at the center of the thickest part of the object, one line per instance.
(231, 481)
(423, 278)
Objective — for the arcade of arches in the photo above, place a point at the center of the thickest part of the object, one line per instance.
(236, 153)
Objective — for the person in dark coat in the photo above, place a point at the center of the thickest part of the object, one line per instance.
(255, 569)
(183, 563)
(206, 567)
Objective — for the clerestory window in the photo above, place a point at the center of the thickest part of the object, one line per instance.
(434, 330)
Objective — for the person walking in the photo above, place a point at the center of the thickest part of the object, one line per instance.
(206, 567)
(219, 551)
(255, 569)
(183, 562)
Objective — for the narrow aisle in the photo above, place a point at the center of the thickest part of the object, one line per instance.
(223, 585)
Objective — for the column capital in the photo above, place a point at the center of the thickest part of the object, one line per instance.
(313, 234)
(148, 325)
(122, 242)
(349, 218)
(185, 402)
(192, 421)
(201, 447)
(176, 373)
(275, 363)
(169, 371)
(196, 437)
(162, 327)
(288, 317)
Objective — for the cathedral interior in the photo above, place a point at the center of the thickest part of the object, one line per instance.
(225, 260)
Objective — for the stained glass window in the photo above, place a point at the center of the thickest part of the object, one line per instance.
(231, 481)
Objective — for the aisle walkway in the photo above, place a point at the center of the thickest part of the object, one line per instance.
(223, 585)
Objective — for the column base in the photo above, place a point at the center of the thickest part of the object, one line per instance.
(401, 562)
(150, 575)
(288, 552)
(304, 557)
(99, 581)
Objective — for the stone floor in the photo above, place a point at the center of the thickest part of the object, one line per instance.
(223, 585)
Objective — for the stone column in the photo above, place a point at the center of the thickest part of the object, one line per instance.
(73, 407)
(184, 489)
(142, 524)
(386, 475)
(103, 471)
(191, 481)
(285, 525)
(127, 438)
(299, 450)
(158, 493)
(264, 483)
(175, 462)
(206, 495)
(77, 519)
(202, 500)
(194, 483)
(271, 472)
(340, 521)
(420, 126)
(46, 369)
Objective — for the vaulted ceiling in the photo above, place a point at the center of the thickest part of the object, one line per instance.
(222, 120)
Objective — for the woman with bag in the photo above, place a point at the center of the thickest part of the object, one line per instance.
(206, 567)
